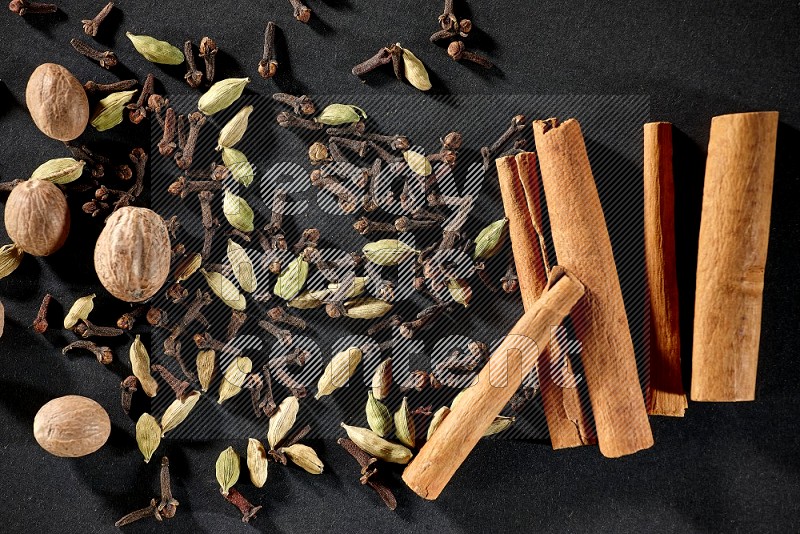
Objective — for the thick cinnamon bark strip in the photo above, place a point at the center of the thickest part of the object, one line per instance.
(665, 391)
(583, 246)
(457, 435)
(734, 231)
(567, 420)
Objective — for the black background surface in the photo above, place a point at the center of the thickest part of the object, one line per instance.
(724, 467)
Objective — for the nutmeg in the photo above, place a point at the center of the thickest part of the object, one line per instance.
(71, 426)
(132, 254)
(57, 102)
(37, 217)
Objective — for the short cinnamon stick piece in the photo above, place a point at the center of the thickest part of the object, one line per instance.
(734, 230)
(567, 422)
(665, 390)
(446, 450)
(583, 245)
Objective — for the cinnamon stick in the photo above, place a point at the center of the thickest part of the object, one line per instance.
(734, 230)
(582, 245)
(665, 390)
(567, 420)
(441, 456)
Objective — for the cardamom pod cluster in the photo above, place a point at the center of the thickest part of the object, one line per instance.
(206, 365)
(404, 428)
(177, 412)
(292, 279)
(490, 240)
(238, 212)
(388, 252)
(10, 258)
(377, 446)
(338, 371)
(235, 375)
(109, 110)
(227, 468)
(282, 421)
(79, 311)
(305, 457)
(221, 95)
(242, 267)
(337, 114)
(225, 290)
(148, 435)
(156, 51)
(234, 129)
(378, 417)
(238, 165)
(257, 462)
(140, 363)
(59, 171)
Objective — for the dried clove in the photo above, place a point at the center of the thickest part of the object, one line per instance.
(268, 65)
(128, 387)
(289, 120)
(103, 354)
(239, 501)
(196, 121)
(40, 322)
(93, 87)
(280, 315)
(179, 387)
(302, 105)
(382, 57)
(106, 59)
(301, 11)
(86, 329)
(91, 26)
(208, 51)
(25, 7)
(368, 471)
(193, 75)
(168, 505)
(457, 51)
(136, 515)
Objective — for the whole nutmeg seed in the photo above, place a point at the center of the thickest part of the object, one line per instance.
(132, 254)
(57, 102)
(37, 217)
(71, 426)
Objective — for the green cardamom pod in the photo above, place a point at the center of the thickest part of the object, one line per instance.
(437, 419)
(415, 71)
(242, 267)
(305, 457)
(235, 375)
(377, 446)
(148, 435)
(460, 291)
(140, 364)
(227, 469)
(357, 286)
(79, 311)
(206, 365)
(292, 279)
(499, 424)
(404, 427)
(59, 170)
(10, 258)
(257, 462)
(378, 417)
(177, 412)
(490, 240)
(109, 110)
(221, 95)
(367, 308)
(282, 421)
(235, 128)
(388, 252)
(238, 212)
(418, 163)
(338, 371)
(382, 379)
(237, 163)
(225, 290)
(336, 114)
(308, 300)
(156, 51)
